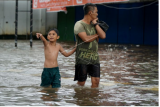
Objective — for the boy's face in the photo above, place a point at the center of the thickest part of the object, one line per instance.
(52, 36)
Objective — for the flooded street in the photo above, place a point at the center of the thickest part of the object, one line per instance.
(129, 77)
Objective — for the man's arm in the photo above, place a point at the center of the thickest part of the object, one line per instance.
(80, 31)
(100, 32)
(39, 35)
(66, 54)
(86, 38)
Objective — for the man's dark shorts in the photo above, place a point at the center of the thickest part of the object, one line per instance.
(51, 76)
(81, 71)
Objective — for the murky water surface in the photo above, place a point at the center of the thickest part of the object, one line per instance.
(129, 77)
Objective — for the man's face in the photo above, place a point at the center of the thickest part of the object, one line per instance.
(94, 13)
(52, 36)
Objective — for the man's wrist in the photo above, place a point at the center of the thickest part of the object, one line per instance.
(96, 24)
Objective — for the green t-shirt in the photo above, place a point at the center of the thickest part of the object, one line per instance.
(86, 52)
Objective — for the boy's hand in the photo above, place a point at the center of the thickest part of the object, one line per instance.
(38, 35)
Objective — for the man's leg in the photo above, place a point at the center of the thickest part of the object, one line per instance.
(94, 71)
(95, 82)
(81, 74)
(81, 83)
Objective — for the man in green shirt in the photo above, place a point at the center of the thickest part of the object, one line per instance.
(87, 33)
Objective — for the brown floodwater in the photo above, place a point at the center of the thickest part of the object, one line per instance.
(129, 77)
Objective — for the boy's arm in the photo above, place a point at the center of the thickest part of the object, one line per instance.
(66, 54)
(39, 35)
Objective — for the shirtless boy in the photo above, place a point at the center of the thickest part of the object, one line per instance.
(50, 74)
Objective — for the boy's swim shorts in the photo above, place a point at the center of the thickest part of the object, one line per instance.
(51, 76)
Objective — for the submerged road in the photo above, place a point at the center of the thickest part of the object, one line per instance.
(129, 77)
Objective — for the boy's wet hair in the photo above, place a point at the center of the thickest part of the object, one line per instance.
(88, 7)
(54, 30)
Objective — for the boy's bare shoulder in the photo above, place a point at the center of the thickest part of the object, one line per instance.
(58, 45)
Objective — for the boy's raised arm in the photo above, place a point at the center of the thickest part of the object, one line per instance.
(39, 35)
(66, 54)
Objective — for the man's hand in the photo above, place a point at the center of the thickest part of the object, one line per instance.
(76, 45)
(94, 21)
(97, 39)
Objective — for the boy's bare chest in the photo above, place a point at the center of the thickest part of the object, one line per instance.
(52, 50)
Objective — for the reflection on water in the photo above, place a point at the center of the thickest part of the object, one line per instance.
(87, 97)
(49, 94)
(129, 77)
